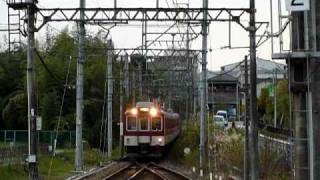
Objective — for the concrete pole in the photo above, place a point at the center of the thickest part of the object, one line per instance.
(312, 143)
(275, 98)
(238, 105)
(110, 93)
(121, 107)
(280, 25)
(126, 75)
(301, 104)
(170, 74)
(79, 96)
(140, 80)
(133, 86)
(170, 88)
(310, 125)
(301, 144)
(247, 109)
(32, 97)
(253, 96)
(271, 26)
(189, 105)
(203, 90)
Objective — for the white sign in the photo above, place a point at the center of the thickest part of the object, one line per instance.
(186, 150)
(298, 5)
(121, 128)
(39, 123)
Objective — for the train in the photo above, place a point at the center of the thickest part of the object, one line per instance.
(149, 130)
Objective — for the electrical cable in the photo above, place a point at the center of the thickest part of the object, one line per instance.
(58, 80)
(59, 118)
(103, 127)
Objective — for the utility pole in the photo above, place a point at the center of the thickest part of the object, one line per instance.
(246, 121)
(133, 69)
(110, 93)
(170, 74)
(140, 80)
(79, 108)
(121, 106)
(203, 86)
(275, 98)
(126, 75)
(189, 106)
(253, 96)
(32, 97)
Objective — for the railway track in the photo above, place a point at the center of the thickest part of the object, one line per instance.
(133, 171)
(151, 170)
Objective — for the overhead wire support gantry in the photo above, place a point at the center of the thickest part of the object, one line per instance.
(104, 15)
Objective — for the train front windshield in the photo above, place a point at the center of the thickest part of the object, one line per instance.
(131, 123)
(156, 123)
(143, 121)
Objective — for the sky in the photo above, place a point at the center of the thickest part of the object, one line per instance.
(130, 36)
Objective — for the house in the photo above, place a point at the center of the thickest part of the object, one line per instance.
(267, 72)
(224, 85)
(222, 92)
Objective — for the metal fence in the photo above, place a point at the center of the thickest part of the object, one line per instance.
(14, 144)
(66, 139)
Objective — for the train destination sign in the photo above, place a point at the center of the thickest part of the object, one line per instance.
(298, 5)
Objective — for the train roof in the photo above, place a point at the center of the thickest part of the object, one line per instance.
(145, 104)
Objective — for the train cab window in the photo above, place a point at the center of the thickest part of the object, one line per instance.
(143, 123)
(131, 123)
(156, 124)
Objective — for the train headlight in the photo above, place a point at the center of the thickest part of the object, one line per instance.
(160, 139)
(144, 109)
(134, 111)
(153, 111)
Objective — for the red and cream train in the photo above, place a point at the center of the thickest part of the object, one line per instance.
(149, 130)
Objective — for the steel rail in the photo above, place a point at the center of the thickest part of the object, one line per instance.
(121, 170)
(170, 171)
(143, 169)
(150, 170)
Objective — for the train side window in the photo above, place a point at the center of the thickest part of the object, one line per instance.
(131, 123)
(143, 123)
(156, 124)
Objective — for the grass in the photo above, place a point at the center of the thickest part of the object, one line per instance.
(59, 169)
(13, 172)
(188, 139)
(226, 149)
(62, 165)
(7, 144)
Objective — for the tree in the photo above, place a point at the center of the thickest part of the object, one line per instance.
(49, 109)
(14, 113)
(263, 101)
(283, 101)
(51, 72)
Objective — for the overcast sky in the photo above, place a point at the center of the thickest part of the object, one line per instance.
(130, 36)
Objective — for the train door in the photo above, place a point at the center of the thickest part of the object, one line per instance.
(144, 128)
(131, 137)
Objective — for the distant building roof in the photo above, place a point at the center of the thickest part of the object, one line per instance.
(222, 77)
(265, 68)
